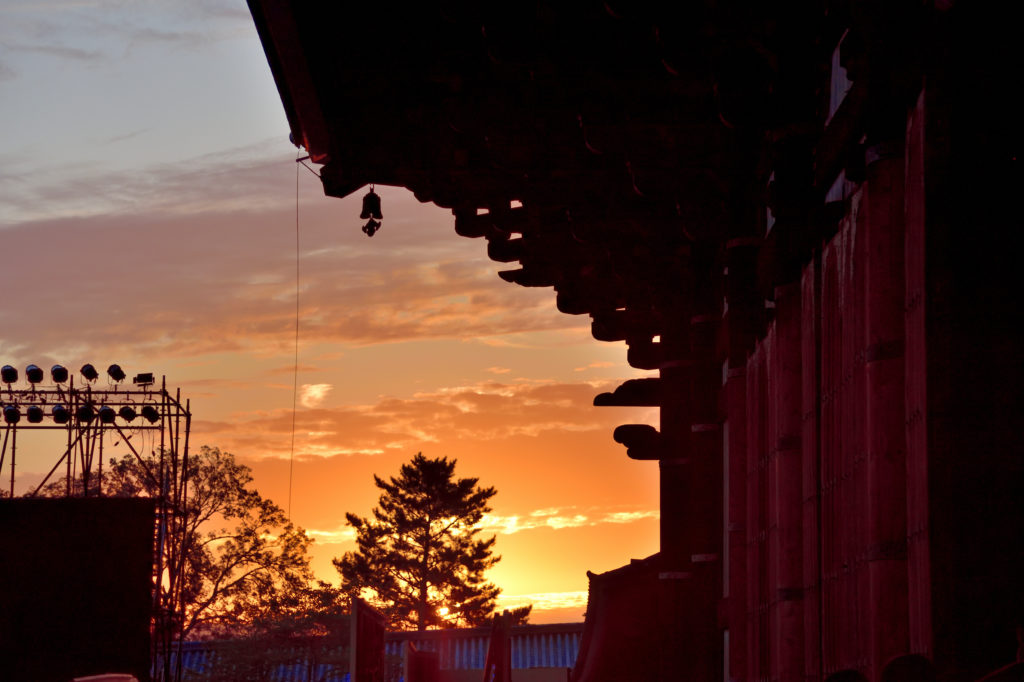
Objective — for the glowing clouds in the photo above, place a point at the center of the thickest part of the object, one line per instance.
(545, 601)
(556, 519)
(595, 365)
(312, 395)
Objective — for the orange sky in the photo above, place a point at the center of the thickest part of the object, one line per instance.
(409, 343)
(147, 217)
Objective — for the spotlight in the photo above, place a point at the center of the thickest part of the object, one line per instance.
(59, 374)
(34, 374)
(90, 373)
(34, 414)
(61, 414)
(107, 415)
(116, 373)
(11, 414)
(8, 374)
(127, 413)
(85, 413)
(150, 413)
(144, 379)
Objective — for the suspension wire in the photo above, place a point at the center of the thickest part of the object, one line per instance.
(295, 373)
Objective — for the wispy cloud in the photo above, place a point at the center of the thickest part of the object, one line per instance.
(544, 601)
(203, 262)
(594, 365)
(61, 51)
(332, 537)
(243, 179)
(311, 395)
(498, 370)
(487, 411)
(127, 136)
(118, 23)
(557, 519)
(290, 369)
(632, 516)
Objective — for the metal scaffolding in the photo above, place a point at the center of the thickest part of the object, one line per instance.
(90, 417)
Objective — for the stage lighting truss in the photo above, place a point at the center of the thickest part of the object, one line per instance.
(92, 416)
(89, 415)
(135, 408)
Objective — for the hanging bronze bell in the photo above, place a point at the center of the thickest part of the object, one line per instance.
(371, 206)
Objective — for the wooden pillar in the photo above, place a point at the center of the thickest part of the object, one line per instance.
(680, 658)
(785, 491)
(691, 485)
(882, 223)
(810, 344)
(707, 484)
(756, 630)
(743, 313)
(915, 395)
(735, 511)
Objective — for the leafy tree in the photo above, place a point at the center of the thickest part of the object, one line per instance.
(419, 557)
(245, 563)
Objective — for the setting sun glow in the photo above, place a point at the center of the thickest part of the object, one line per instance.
(407, 343)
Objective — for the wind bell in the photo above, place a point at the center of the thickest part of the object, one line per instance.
(371, 210)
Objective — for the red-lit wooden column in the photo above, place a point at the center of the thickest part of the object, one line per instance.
(757, 578)
(681, 658)
(916, 394)
(810, 344)
(785, 491)
(735, 511)
(691, 476)
(882, 212)
(744, 310)
(707, 480)
(832, 618)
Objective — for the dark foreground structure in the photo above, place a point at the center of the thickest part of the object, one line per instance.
(538, 653)
(75, 588)
(804, 216)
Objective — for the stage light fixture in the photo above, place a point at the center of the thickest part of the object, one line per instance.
(34, 374)
(89, 372)
(127, 413)
(34, 414)
(60, 414)
(8, 374)
(59, 374)
(116, 373)
(144, 379)
(85, 413)
(150, 413)
(11, 414)
(107, 415)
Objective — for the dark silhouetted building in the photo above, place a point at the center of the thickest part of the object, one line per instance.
(804, 216)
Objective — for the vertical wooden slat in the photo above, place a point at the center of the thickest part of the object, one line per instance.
(918, 555)
(886, 449)
(831, 621)
(736, 396)
(758, 649)
(769, 478)
(810, 492)
(785, 429)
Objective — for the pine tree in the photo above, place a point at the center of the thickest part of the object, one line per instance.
(418, 557)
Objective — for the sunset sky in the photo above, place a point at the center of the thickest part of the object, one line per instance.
(148, 217)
